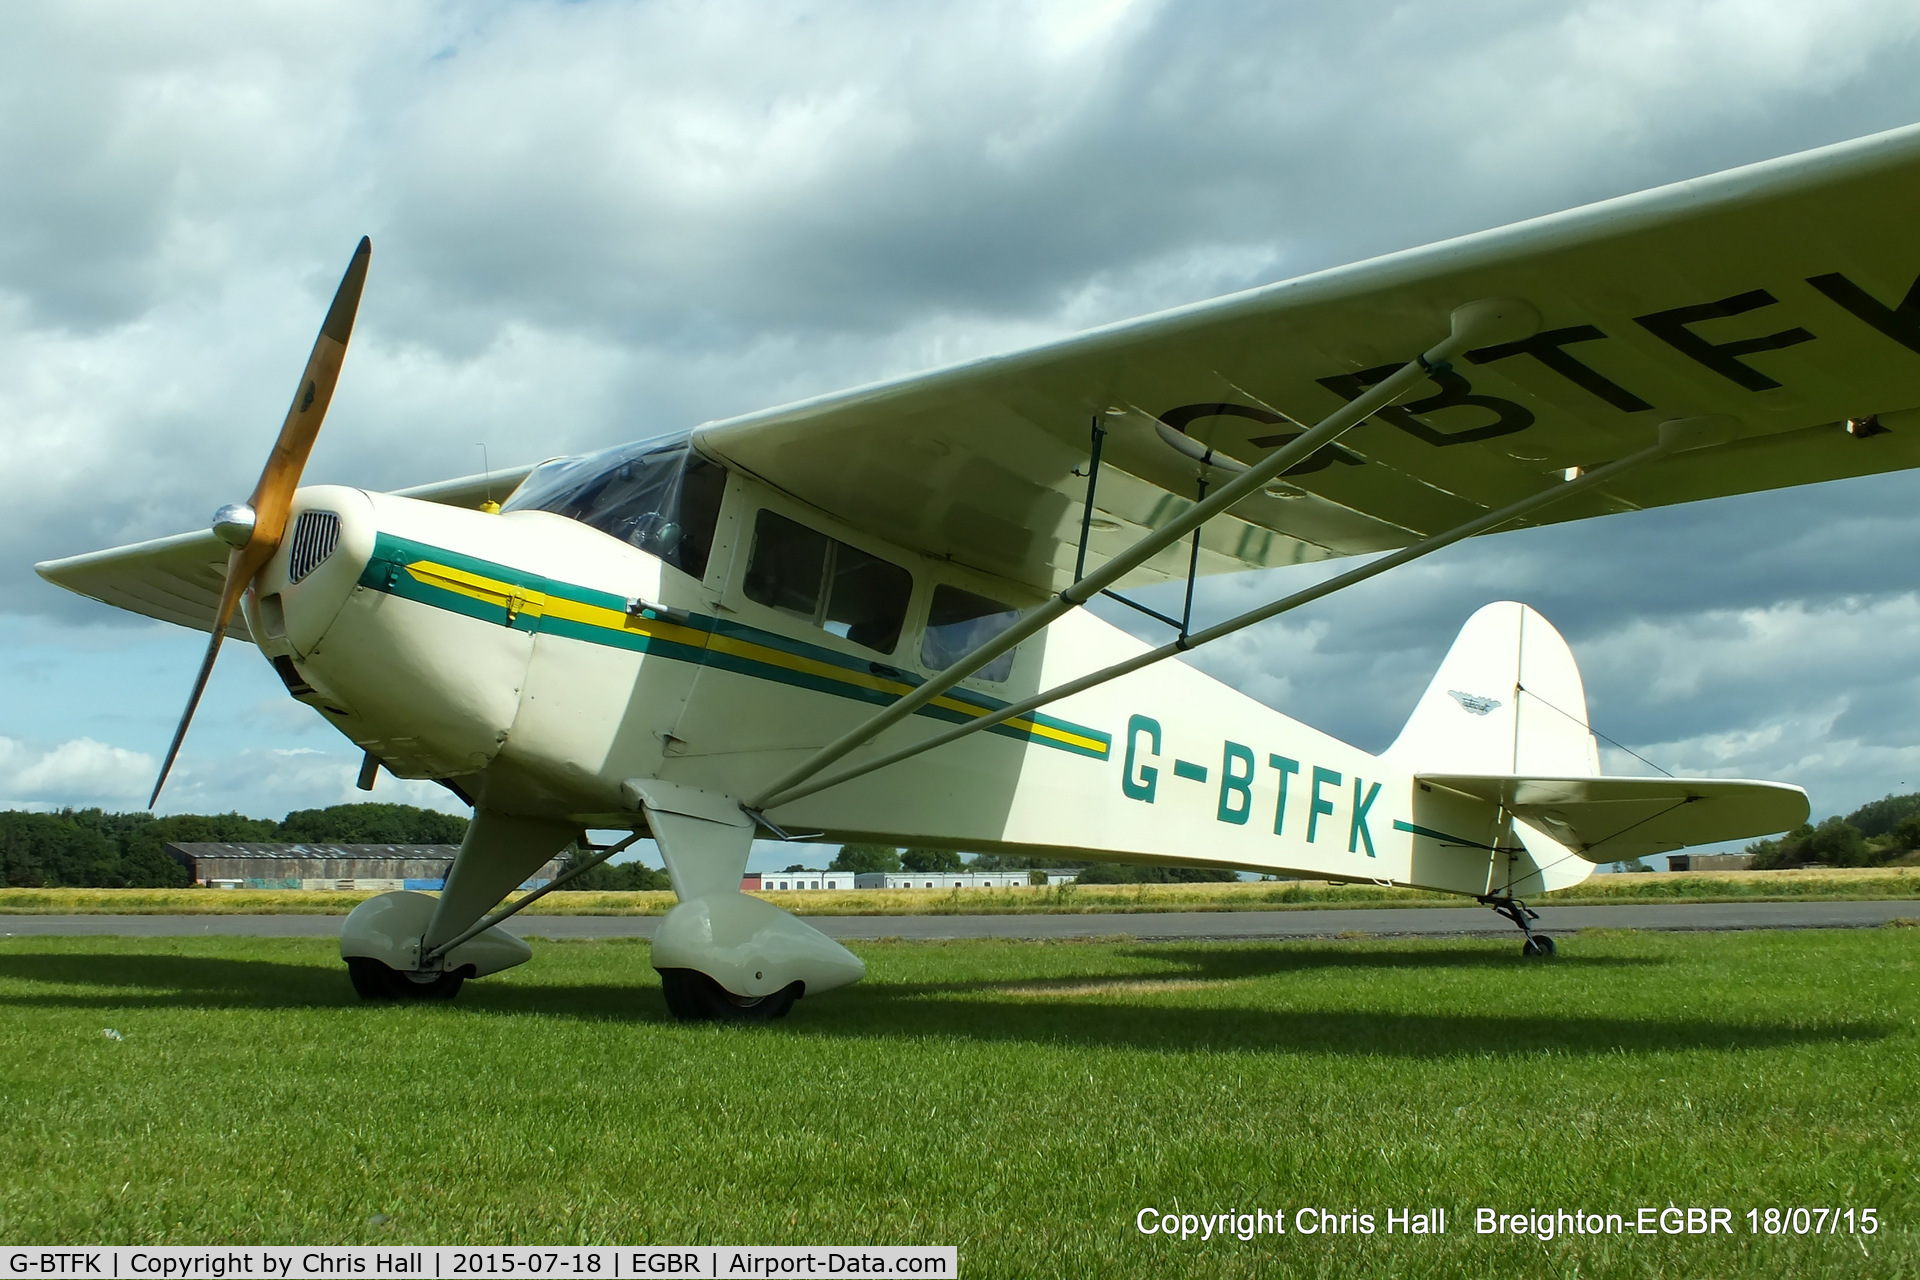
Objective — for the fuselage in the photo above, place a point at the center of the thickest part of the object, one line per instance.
(536, 665)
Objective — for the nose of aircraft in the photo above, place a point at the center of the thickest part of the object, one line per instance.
(329, 539)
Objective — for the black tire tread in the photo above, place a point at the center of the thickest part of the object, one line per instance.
(692, 996)
(375, 981)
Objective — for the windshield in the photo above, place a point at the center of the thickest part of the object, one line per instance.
(658, 495)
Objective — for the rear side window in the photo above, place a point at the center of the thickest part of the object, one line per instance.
(838, 588)
(960, 622)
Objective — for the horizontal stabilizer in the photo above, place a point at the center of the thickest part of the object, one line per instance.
(1614, 819)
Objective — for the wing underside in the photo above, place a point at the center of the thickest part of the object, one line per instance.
(1785, 296)
(174, 579)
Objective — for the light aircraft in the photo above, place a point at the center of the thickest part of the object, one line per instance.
(844, 617)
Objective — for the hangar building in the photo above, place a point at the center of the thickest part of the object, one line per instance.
(772, 881)
(375, 867)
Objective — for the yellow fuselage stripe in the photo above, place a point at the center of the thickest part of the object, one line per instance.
(519, 600)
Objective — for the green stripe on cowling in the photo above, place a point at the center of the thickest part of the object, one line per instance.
(386, 571)
(393, 554)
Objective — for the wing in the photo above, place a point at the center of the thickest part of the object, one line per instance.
(1785, 295)
(1615, 819)
(178, 579)
(471, 491)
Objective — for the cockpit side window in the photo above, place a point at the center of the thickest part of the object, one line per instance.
(788, 566)
(833, 585)
(960, 622)
(659, 496)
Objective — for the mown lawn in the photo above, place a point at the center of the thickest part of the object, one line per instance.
(1023, 1101)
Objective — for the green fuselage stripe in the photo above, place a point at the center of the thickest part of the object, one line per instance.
(483, 590)
(1431, 834)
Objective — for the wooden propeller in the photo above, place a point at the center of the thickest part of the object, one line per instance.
(254, 529)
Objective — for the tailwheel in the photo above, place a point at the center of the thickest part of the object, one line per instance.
(375, 981)
(694, 997)
(1537, 945)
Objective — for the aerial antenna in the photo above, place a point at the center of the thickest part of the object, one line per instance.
(488, 505)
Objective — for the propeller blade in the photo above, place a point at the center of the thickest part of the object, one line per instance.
(230, 592)
(273, 495)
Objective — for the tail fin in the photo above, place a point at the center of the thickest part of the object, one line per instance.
(1507, 700)
(1503, 727)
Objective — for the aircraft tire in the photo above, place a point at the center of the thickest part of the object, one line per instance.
(1539, 946)
(375, 981)
(692, 996)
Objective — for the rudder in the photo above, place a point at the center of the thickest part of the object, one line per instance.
(1508, 699)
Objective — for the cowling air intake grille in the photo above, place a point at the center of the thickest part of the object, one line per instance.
(315, 535)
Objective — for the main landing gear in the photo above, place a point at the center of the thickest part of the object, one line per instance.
(1537, 945)
(723, 956)
(375, 981)
(694, 997)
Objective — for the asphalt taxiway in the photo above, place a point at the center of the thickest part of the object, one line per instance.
(1171, 926)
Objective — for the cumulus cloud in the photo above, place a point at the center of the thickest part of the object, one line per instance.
(79, 772)
(597, 221)
(270, 781)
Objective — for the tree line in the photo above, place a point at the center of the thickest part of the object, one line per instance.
(92, 849)
(1876, 834)
(89, 848)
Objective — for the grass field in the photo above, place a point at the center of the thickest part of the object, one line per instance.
(1023, 1101)
(1838, 883)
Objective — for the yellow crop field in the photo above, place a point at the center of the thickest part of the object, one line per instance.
(1252, 895)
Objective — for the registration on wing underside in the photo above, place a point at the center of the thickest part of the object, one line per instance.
(1785, 296)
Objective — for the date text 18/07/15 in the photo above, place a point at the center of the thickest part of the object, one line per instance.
(1673, 1220)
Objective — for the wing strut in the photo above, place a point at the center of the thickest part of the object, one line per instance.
(1675, 437)
(1474, 325)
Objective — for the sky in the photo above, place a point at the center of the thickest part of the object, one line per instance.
(594, 222)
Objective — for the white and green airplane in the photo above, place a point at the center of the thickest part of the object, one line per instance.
(860, 617)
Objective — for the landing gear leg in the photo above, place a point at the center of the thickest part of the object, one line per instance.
(1537, 945)
(723, 956)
